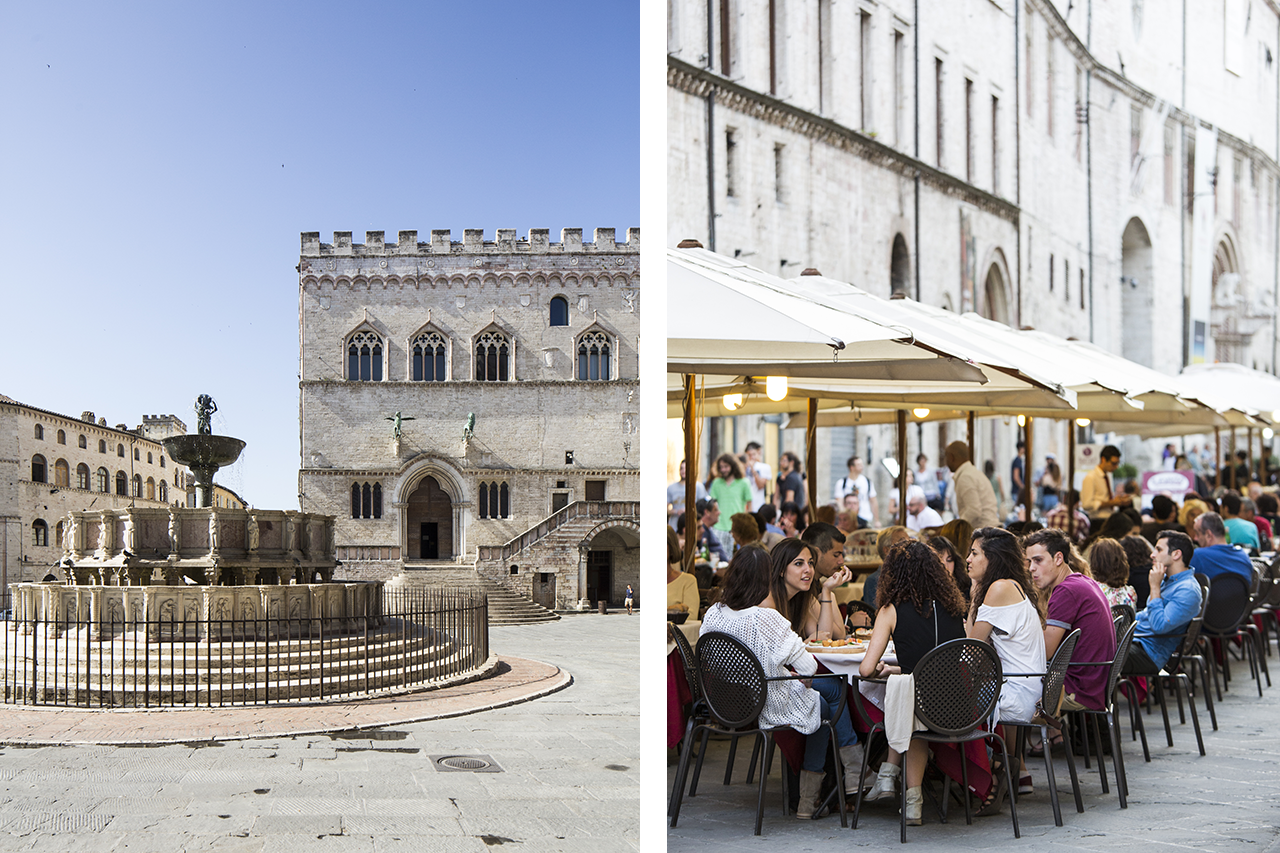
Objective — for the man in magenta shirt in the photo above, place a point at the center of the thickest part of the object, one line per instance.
(1075, 601)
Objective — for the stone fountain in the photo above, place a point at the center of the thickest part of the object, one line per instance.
(204, 453)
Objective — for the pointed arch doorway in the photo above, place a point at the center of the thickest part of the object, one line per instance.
(429, 522)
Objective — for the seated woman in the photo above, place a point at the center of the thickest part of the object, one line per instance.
(950, 556)
(1109, 565)
(920, 607)
(682, 587)
(813, 616)
(1006, 612)
(756, 597)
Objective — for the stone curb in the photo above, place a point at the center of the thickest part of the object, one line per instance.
(527, 680)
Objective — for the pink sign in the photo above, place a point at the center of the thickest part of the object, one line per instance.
(1175, 484)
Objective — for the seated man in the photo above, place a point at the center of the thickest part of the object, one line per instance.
(828, 541)
(1215, 556)
(919, 514)
(1075, 601)
(1173, 603)
(1164, 513)
(708, 514)
(1241, 532)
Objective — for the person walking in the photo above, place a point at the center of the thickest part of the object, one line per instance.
(628, 599)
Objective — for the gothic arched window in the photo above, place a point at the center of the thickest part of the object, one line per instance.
(559, 311)
(40, 532)
(39, 432)
(151, 489)
(366, 500)
(103, 483)
(82, 476)
(61, 474)
(137, 485)
(493, 356)
(429, 353)
(39, 469)
(495, 500)
(122, 484)
(364, 357)
(593, 356)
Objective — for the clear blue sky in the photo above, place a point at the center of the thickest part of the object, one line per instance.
(158, 161)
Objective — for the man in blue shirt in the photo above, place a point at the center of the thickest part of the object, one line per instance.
(1174, 602)
(1215, 556)
(1242, 532)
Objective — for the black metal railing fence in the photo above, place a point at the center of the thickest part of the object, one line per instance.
(404, 639)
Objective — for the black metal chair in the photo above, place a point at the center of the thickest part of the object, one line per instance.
(735, 688)
(957, 685)
(1107, 715)
(1229, 609)
(1122, 616)
(1046, 717)
(1185, 657)
(853, 606)
(698, 714)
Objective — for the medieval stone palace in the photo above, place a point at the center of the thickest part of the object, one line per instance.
(474, 405)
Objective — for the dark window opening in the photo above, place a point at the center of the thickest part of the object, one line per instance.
(559, 311)
(39, 470)
(595, 490)
(40, 531)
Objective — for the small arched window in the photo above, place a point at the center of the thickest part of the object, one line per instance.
(40, 532)
(57, 533)
(137, 485)
(82, 476)
(366, 500)
(559, 311)
(364, 357)
(84, 443)
(428, 351)
(495, 500)
(62, 436)
(39, 433)
(161, 460)
(594, 354)
(151, 489)
(103, 483)
(122, 483)
(39, 469)
(102, 445)
(137, 455)
(164, 491)
(120, 450)
(61, 474)
(493, 357)
(150, 461)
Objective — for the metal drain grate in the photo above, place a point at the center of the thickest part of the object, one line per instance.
(465, 764)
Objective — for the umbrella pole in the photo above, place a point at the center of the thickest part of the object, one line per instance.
(902, 467)
(1028, 487)
(972, 455)
(1249, 433)
(1217, 457)
(811, 455)
(1071, 480)
(690, 473)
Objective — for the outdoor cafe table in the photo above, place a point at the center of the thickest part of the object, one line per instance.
(848, 592)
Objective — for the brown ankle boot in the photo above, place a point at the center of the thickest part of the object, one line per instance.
(810, 793)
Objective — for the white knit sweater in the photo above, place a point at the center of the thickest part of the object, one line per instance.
(768, 635)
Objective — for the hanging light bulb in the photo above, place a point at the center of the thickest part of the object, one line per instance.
(1275, 416)
(732, 401)
(920, 413)
(1022, 420)
(775, 387)
(1082, 422)
(1267, 433)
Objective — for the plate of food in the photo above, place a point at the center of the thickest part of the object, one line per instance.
(848, 646)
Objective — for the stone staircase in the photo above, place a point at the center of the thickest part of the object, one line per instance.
(505, 607)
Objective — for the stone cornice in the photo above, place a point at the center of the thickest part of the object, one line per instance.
(700, 82)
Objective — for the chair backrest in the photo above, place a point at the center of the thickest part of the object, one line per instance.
(686, 657)
(732, 679)
(1229, 603)
(1117, 663)
(957, 685)
(1123, 611)
(1055, 677)
(857, 606)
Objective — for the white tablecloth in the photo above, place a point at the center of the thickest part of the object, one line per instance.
(846, 663)
(690, 629)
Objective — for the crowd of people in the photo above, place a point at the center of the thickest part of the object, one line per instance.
(1022, 588)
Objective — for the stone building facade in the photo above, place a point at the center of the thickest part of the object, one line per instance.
(456, 395)
(1105, 170)
(54, 464)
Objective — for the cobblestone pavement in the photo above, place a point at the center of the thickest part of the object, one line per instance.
(569, 777)
(1228, 800)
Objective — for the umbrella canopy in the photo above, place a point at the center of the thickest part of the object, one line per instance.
(1240, 387)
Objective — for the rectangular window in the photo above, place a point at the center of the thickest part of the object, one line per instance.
(899, 85)
(1066, 280)
(826, 64)
(1051, 273)
(938, 116)
(968, 130)
(726, 38)
(730, 162)
(995, 144)
(595, 490)
(1170, 173)
(864, 68)
(1049, 101)
(1082, 288)
(777, 173)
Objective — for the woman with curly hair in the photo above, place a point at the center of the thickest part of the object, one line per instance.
(1006, 612)
(1109, 564)
(808, 612)
(752, 609)
(919, 607)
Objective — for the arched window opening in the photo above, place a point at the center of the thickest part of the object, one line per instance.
(366, 501)
(40, 532)
(164, 491)
(62, 474)
(84, 443)
(62, 436)
(103, 483)
(899, 266)
(82, 476)
(504, 501)
(377, 500)
(102, 445)
(484, 500)
(428, 358)
(150, 461)
(495, 500)
(161, 460)
(58, 530)
(355, 500)
(364, 357)
(122, 484)
(137, 485)
(39, 433)
(559, 311)
(39, 470)
(493, 357)
(151, 489)
(593, 356)
(137, 455)
(120, 450)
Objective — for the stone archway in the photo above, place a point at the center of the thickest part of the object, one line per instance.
(609, 559)
(429, 524)
(995, 292)
(1137, 293)
(899, 266)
